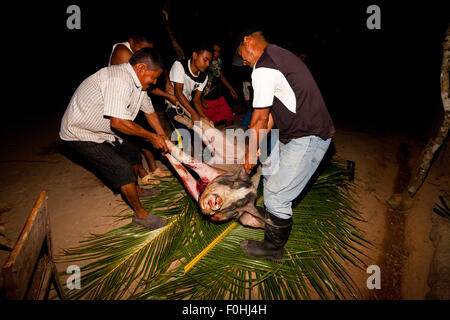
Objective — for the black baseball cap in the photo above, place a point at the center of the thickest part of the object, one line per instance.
(243, 32)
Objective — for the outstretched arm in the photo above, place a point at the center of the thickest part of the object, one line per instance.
(184, 101)
(164, 94)
(153, 121)
(198, 103)
(228, 85)
(169, 93)
(131, 128)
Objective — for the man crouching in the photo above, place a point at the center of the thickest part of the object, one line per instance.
(99, 117)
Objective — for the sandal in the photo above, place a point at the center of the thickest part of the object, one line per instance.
(148, 179)
(161, 173)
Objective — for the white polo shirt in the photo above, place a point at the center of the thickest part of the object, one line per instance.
(181, 73)
(113, 91)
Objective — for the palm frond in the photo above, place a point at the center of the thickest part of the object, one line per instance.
(192, 258)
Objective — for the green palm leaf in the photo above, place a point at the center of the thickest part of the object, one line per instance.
(192, 258)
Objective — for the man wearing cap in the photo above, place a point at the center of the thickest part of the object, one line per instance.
(285, 96)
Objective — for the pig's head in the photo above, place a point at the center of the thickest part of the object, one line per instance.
(229, 196)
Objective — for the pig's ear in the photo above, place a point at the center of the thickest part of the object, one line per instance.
(242, 175)
(237, 180)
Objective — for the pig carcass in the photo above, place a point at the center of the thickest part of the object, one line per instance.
(224, 190)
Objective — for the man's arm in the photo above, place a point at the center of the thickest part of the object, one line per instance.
(120, 55)
(228, 85)
(169, 94)
(161, 93)
(184, 101)
(131, 128)
(198, 103)
(270, 123)
(153, 121)
(169, 87)
(260, 120)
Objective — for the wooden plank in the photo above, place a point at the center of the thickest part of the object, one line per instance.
(57, 283)
(39, 282)
(55, 275)
(45, 284)
(19, 267)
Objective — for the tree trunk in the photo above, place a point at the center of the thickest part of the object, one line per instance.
(435, 142)
(176, 46)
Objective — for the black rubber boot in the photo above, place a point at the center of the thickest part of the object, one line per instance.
(276, 234)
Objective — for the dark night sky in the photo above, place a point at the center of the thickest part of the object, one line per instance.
(384, 79)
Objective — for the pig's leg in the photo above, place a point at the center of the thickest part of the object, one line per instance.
(204, 130)
(227, 149)
(206, 172)
(252, 216)
(189, 181)
(248, 220)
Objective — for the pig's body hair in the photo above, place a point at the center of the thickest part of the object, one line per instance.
(233, 183)
(234, 198)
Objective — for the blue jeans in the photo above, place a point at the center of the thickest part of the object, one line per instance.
(292, 167)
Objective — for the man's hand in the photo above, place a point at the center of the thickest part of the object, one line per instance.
(173, 99)
(158, 141)
(204, 103)
(260, 119)
(249, 165)
(169, 89)
(233, 94)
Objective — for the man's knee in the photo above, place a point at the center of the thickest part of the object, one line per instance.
(277, 204)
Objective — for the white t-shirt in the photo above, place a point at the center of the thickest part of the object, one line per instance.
(181, 73)
(126, 44)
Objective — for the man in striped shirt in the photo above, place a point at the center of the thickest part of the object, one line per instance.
(100, 115)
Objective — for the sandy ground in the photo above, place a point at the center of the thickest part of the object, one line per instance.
(79, 203)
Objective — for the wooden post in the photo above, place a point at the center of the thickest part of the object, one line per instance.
(176, 46)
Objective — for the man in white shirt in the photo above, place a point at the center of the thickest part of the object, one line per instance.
(285, 96)
(189, 78)
(102, 110)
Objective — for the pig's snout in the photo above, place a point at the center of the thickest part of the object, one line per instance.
(215, 202)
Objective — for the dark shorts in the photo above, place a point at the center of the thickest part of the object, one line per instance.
(113, 162)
